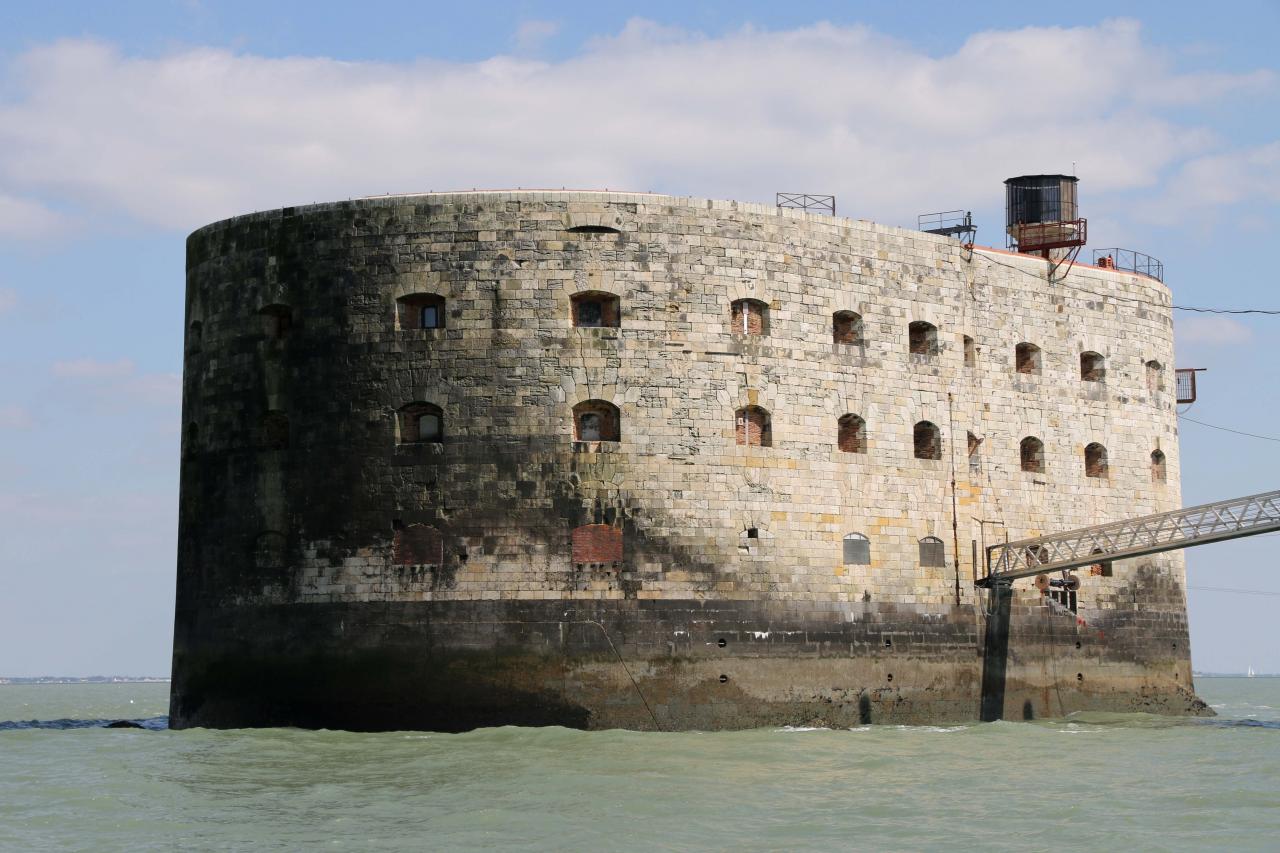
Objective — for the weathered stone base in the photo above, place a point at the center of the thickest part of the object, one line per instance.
(453, 666)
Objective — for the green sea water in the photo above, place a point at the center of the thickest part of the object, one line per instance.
(1093, 782)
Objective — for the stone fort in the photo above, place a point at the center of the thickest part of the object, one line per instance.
(602, 459)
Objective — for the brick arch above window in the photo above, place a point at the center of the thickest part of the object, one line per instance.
(846, 328)
(748, 317)
(1027, 358)
(1093, 367)
(597, 420)
(922, 338)
(420, 423)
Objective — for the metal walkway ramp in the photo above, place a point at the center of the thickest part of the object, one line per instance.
(1134, 537)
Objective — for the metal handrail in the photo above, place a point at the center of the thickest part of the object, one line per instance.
(1129, 260)
(1134, 537)
(807, 201)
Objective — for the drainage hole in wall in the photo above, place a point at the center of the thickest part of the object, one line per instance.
(1079, 676)
(888, 642)
(722, 642)
(753, 533)
(723, 679)
(890, 676)
(1077, 644)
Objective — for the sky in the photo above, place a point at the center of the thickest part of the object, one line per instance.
(125, 126)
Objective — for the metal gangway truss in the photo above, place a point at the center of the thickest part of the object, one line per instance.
(1134, 537)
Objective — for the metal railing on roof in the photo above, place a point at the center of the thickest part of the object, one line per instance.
(1129, 261)
(807, 201)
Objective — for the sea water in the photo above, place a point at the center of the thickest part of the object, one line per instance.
(1087, 782)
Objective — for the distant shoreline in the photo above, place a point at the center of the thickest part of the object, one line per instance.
(88, 679)
(1234, 675)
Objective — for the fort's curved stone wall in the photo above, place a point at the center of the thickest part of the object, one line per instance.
(315, 539)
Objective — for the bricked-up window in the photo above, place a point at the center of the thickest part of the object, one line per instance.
(1031, 451)
(1026, 358)
(273, 431)
(1095, 460)
(420, 311)
(970, 352)
(749, 317)
(417, 545)
(1157, 467)
(597, 543)
(752, 427)
(933, 554)
(596, 420)
(1155, 376)
(593, 309)
(927, 440)
(922, 339)
(846, 327)
(421, 423)
(852, 434)
(1093, 367)
(277, 321)
(268, 550)
(857, 550)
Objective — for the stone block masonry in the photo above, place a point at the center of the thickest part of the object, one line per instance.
(504, 429)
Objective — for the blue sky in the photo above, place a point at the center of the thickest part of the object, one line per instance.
(124, 126)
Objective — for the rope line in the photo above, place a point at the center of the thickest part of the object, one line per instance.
(627, 670)
(1228, 429)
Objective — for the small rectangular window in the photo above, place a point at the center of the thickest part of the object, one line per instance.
(428, 428)
(589, 314)
(857, 551)
(430, 317)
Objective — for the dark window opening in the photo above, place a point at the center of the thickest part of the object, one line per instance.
(970, 352)
(196, 335)
(927, 440)
(753, 533)
(421, 423)
(277, 321)
(1031, 451)
(749, 317)
(421, 311)
(752, 427)
(593, 309)
(846, 328)
(857, 550)
(1093, 367)
(192, 442)
(1027, 358)
(596, 420)
(416, 545)
(1065, 597)
(269, 550)
(593, 229)
(933, 554)
(1095, 460)
(922, 339)
(1157, 467)
(852, 434)
(975, 457)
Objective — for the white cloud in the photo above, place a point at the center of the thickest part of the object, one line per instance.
(1218, 180)
(25, 218)
(88, 368)
(532, 35)
(15, 417)
(1214, 331)
(200, 134)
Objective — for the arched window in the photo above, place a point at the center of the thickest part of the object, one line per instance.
(273, 431)
(857, 550)
(1032, 452)
(420, 311)
(970, 352)
(933, 554)
(927, 440)
(922, 339)
(594, 309)
(846, 327)
(1157, 467)
(421, 423)
(750, 317)
(1095, 460)
(852, 434)
(752, 427)
(277, 321)
(1026, 358)
(1093, 367)
(596, 420)
(1155, 376)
